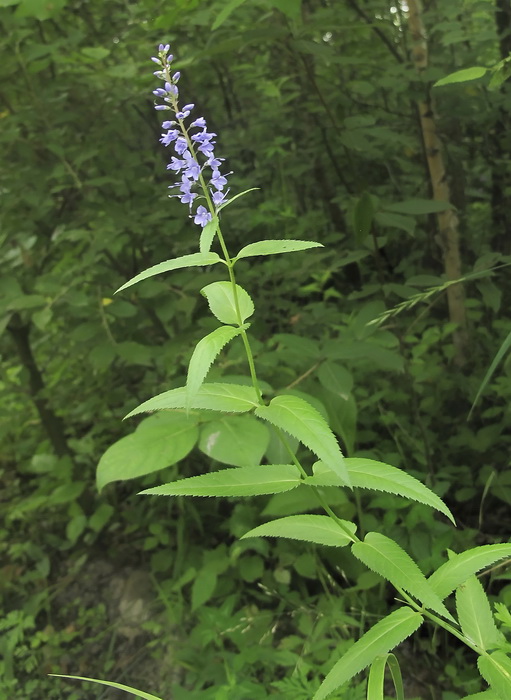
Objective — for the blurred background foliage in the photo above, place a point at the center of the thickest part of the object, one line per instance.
(316, 103)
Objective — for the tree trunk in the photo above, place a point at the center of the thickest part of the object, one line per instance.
(52, 424)
(448, 232)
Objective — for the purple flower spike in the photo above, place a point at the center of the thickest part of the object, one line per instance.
(195, 158)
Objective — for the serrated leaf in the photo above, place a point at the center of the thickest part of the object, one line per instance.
(231, 398)
(158, 442)
(496, 670)
(320, 529)
(371, 474)
(300, 419)
(462, 76)
(415, 207)
(475, 615)
(222, 302)
(380, 639)
(192, 260)
(387, 558)
(111, 684)
(229, 483)
(275, 247)
(458, 569)
(205, 353)
(236, 440)
(207, 235)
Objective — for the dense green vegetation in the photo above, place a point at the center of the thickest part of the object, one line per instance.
(328, 108)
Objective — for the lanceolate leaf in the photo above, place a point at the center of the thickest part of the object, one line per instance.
(320, 529)
(458, 569)
(380, 639)
(375, 681)
(230, 398)
(275, 247)
(300, 419)
(462, 76)
(475, 615)
(496, 670)
(385, 557)
(158, 442)
(370, 474)
(192, 260)
(245, 481)
(205, 353)
(208, 234)
(111, 684)
(222, 302)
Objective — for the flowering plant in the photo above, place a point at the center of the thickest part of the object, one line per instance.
(469, 618)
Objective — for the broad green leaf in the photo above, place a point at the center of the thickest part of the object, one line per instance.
(192, 260)
(462, 76)
(111, 684)
(231, 398)
(496, 670)
(158, 442)
(384, 636)
(475, 615)
(203, 587)
(207, 235)
(222, 302)
(228, 483)
(320, 529)
(236, 440)
(335, 378)
(300, 419)
(393, 220)
(363, 215)
(485, 695)
(224, 13)
(205, 353)
(387, 558)
(419, 206)
(275, 247)
(458, 569)
(371, 474)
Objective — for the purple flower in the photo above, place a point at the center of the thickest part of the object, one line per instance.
(193, 145)
(202, 216)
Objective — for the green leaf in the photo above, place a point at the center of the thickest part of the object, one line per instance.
(363, 215)
(229, 483)
(207, 235)
(320, 529)
(475, 615)
(397, 679)
(462, 76)
(496, 670)
(203, 587)
(223, 304)
(236, 440)
(495, 363)
(231, 398)
(224, 13)
(376, 678)
(233, 199)
(205, 353)
(416, 207)
(371, 474)
(111, 684)
(300, 419)
(192, 260)
(275, 247)
(392, 220)
(380, 639)
(158, 442)
(458, 569)
(385, 557)
(335, 378)
(485, 695)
